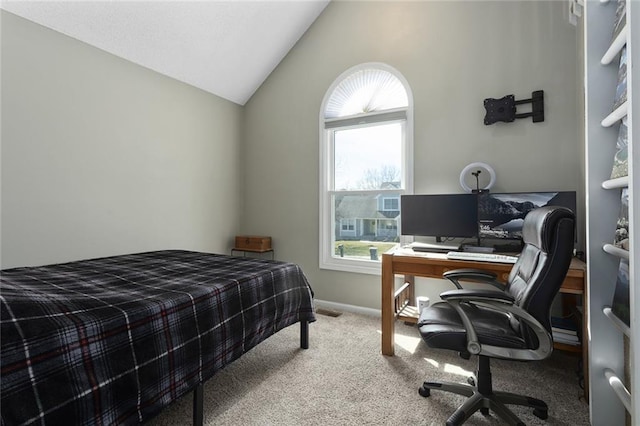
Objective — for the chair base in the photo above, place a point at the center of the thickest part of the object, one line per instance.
(495, 402)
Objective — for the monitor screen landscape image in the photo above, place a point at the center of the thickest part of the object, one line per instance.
(501, 215)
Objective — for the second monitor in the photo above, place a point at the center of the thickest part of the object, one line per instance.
(501, 215)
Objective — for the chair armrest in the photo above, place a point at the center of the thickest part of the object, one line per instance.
(476, 275)
(476, 295)
(500, 302)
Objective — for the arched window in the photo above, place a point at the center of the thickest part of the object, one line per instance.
(366, 134)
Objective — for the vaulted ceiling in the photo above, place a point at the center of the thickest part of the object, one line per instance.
(227, 48)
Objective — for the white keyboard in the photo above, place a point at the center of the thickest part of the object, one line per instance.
(482, 257)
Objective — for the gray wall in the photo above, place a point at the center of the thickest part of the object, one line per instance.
(100, 156)
(103, 157)
(454, 55)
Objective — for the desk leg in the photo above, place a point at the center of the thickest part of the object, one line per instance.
(388, 314)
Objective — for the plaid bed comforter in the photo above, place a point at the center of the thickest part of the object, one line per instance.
(114, 340)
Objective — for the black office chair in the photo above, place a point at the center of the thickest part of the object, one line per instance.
(512, 323)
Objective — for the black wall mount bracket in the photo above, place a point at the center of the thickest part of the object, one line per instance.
(504, 109)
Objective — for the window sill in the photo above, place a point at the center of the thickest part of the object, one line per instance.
(370, 267)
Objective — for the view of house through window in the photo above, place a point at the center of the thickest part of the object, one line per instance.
(366, 167)
(367, 159)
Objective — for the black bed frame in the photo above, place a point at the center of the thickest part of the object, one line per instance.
(198, 392)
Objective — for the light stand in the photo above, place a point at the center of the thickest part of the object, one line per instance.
(478, 191)
(477, 174)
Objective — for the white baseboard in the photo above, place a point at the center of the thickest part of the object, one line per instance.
(347, 308)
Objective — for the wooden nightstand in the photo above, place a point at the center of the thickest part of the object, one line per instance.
(253, 244)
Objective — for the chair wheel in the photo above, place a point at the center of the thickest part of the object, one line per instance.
(425, 392)
(484, 411)
(541, 414)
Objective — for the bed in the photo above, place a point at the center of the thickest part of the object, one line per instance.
(116, 339)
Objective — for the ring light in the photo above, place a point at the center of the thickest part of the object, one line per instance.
(473, 167)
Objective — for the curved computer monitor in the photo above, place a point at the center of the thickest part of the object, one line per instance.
(501, 215)
(439, 215)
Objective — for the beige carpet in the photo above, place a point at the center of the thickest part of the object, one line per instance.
(343, 379)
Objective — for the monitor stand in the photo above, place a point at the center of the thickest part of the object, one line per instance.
(515, 247)
(477, 249)
(433, 248)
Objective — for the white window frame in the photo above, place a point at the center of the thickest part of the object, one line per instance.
(384, 207)
(327, 211)
(349, 223)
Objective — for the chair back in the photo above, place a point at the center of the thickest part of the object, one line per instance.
(535, 279)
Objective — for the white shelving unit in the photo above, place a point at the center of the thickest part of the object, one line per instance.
(611, 396)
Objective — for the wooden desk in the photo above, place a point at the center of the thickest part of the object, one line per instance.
(400, 304)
